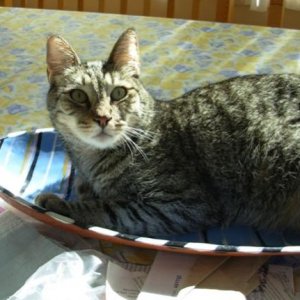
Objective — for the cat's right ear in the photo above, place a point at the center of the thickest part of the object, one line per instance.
(125, 54)
(60, 56)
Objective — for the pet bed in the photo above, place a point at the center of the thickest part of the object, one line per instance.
(35, 162)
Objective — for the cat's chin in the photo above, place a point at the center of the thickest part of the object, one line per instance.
(102, 141)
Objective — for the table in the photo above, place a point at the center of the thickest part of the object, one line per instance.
(177, 55)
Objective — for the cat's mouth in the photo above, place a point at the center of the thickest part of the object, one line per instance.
(103, 136)
(101, 139)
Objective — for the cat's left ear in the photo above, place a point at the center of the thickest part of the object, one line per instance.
(125, 54)
(60, 56)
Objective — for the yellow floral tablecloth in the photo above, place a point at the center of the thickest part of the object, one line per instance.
(177, 55)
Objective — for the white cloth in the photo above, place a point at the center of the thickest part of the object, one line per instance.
(69, 276)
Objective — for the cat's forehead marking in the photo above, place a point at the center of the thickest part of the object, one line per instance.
(108, 78)
(114, 79)
(93, 74)
(94, 70)
(86, 79)
(75, 76)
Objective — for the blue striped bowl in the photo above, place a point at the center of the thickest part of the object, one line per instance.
(35, 162)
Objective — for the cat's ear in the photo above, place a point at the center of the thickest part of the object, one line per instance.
(125, 54)
(60, 56)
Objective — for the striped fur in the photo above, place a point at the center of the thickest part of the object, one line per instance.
(221, 154)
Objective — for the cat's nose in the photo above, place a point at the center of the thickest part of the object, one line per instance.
(102, 120)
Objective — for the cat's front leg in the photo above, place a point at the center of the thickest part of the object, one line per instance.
(87, 212)
(151, 218)
(53, 203)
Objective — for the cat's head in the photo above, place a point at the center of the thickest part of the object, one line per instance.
(100, 103)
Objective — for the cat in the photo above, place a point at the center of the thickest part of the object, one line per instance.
(226, 153)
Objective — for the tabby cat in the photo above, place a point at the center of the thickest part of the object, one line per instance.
(224, 153)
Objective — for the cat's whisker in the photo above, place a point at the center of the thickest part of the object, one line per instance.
(126, 143)
(138, 135)
(134, 145)
(141, 130)
(137, 132)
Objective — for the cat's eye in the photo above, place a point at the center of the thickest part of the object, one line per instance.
(79, 96)
(118, 93)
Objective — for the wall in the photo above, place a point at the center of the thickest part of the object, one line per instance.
(242, 13)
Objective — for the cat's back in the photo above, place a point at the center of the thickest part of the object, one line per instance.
(266, 103)
(264, 93)
(241, 138)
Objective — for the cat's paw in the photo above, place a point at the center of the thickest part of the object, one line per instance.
(53, 203)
